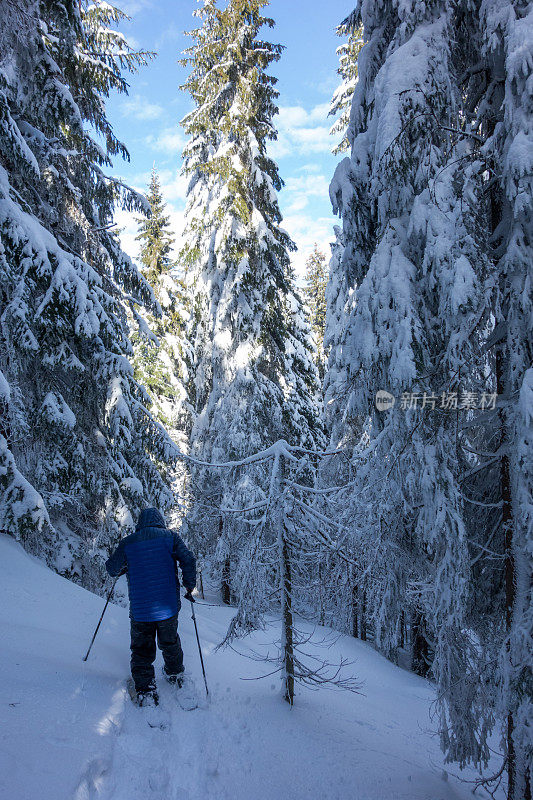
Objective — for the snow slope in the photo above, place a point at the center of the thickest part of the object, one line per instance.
(69, 731)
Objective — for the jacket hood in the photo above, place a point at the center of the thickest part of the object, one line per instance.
(151, 518)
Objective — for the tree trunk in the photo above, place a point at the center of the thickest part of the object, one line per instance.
(363, 617)
(225, 586)
(354, 606)
(287, 637)
(420, 655)
(497, 202)
(509, 565)
(322, 614)
(201, 584)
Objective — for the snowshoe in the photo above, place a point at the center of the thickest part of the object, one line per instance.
(148, 697)
(185, 693)
(174, 679)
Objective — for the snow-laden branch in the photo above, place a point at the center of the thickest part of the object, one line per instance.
(279, 448)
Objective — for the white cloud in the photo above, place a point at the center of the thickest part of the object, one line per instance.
(169, 140)
(310, 167)
(173, 185)
(138, 107)
(132, 7)
(327, 85)
(301, 131)
(306, 231)
(312, 140)
(133, 42)
(311, 185)
(290, 117)
(280, 147)
(140, 181)
(297, 204)
(172, 33)
(297, 116)
(299, 189)
(126, 222)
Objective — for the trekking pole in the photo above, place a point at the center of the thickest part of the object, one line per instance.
(86, 656)
(188, 596)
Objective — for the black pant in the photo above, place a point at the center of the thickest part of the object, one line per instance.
(143, 651)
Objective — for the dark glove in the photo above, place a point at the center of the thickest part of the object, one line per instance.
(188, 595)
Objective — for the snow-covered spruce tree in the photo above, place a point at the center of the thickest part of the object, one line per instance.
(340, 285)
(79, 450)
(495, 455)
(409, 199)
(314, 293)
(347, 610)
(280, 556)
(155, 236)
(341, 101)
(160, 346)
(253, 380)
(501, 107)
(338, 295)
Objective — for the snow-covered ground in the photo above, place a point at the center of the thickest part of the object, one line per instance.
(68, 728)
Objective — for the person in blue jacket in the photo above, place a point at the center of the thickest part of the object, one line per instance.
(150, 557)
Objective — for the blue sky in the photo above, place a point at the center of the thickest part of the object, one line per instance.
(148, 119)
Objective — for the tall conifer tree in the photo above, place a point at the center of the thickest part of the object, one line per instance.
(339, 290)
(501, 110)
(315, 297)
(253, 380)
(412, 328)
(160, 344)
(155, 236)
(435, 201)
(341, 102)
(81, 453)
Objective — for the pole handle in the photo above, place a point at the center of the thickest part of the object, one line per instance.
(188, 596)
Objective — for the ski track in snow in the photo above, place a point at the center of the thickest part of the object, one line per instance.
(70, 732)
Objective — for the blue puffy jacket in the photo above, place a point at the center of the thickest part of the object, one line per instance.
(150, 556)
